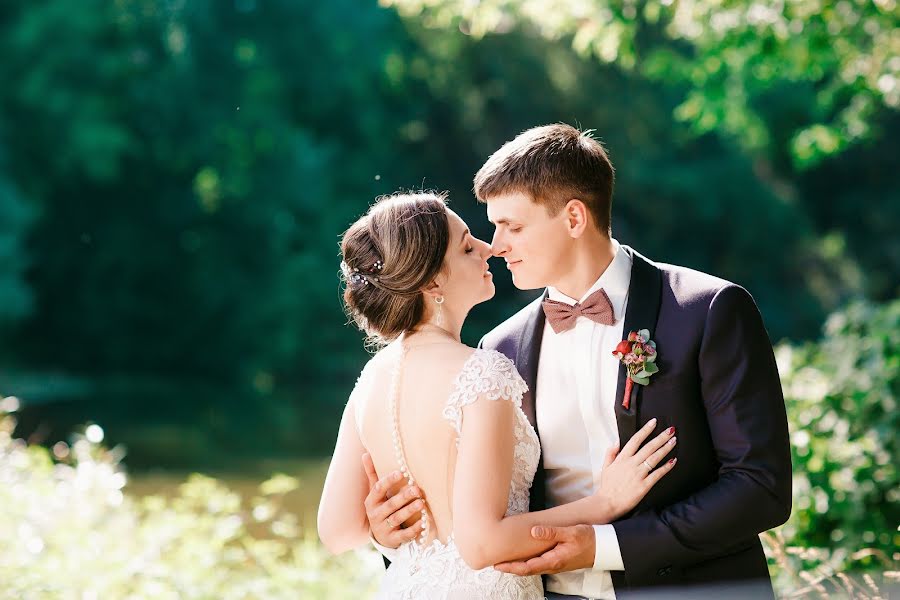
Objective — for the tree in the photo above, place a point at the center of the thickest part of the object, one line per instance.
(190, 167)
(16, 217)
(726, 56)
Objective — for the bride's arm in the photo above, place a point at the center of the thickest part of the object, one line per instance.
(342, 521)
(484, 467)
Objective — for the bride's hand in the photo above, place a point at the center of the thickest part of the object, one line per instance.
(628, 475)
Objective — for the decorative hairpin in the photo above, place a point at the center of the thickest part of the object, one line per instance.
(354, 276)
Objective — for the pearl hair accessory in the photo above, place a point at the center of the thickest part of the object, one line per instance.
(356, 277)
(395, 434)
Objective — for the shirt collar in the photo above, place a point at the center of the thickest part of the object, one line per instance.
(615, 280)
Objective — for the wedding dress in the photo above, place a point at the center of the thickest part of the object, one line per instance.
(435, 569)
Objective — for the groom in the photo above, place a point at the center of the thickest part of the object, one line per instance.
(549, 193)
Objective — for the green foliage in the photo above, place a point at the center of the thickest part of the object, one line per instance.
(841, 395)
(192, 178)
(16, 217)
(174, 178)
(728, 56)
(68, 531)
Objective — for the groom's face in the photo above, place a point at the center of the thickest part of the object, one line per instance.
(534, 244)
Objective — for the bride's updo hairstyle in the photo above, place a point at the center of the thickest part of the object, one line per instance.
(390, 255)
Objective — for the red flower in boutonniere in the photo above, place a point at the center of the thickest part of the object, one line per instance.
(638, 353)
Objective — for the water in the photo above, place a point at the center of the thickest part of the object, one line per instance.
(245, 479)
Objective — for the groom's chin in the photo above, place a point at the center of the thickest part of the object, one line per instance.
(523, 283)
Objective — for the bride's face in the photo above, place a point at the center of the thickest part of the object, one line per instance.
(467, 280)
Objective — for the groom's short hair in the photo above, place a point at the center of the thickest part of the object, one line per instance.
(553, 164)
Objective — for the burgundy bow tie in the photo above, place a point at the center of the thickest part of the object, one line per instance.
(595, 307)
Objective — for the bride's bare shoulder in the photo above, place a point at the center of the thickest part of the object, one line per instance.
(446, 358)
(456, 353)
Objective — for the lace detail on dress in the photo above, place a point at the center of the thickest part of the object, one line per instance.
(489, 374)
(437, 571)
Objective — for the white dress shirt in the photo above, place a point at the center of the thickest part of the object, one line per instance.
(575, 411)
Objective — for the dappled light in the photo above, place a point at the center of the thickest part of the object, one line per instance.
(175, 177)
(68, 530)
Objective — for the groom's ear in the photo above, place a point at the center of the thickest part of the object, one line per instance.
(576, 215)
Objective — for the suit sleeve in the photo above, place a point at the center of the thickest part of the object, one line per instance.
(744, 406)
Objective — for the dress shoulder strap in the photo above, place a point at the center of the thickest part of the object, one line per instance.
(486, 374)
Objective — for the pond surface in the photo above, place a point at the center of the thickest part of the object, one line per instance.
(245, 480)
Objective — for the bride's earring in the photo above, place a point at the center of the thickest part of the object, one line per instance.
(440, 311)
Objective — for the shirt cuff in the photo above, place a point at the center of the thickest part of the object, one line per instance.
(391, 553)
(608, 555)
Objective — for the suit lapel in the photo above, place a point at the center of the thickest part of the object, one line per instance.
(527, 356)
(644, 297)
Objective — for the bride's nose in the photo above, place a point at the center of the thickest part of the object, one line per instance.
(484, 249)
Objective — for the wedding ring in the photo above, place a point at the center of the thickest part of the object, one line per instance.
(646, 464)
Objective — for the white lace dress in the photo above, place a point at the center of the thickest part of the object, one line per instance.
(436, 570)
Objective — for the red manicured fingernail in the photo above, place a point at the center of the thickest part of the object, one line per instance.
(673, 461)
(670, 430)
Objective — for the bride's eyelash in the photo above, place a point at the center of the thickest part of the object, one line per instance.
(469, 250)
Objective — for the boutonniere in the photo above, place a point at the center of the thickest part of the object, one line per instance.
(638, 354)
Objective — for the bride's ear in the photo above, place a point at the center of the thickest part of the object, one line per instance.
(434, 289)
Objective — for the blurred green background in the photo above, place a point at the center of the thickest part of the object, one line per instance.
(175, 175)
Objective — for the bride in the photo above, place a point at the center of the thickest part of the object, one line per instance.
(447, 416)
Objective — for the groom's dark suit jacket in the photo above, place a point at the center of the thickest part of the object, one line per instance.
(718, 385)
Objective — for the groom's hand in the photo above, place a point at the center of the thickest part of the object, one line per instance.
(575, 549)
(389, 505)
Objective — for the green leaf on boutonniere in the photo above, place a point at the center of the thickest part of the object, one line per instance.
(650, 367)
(640, 380)
(650, 359)
(644, 333)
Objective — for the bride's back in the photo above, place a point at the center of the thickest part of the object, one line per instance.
(428, 439)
